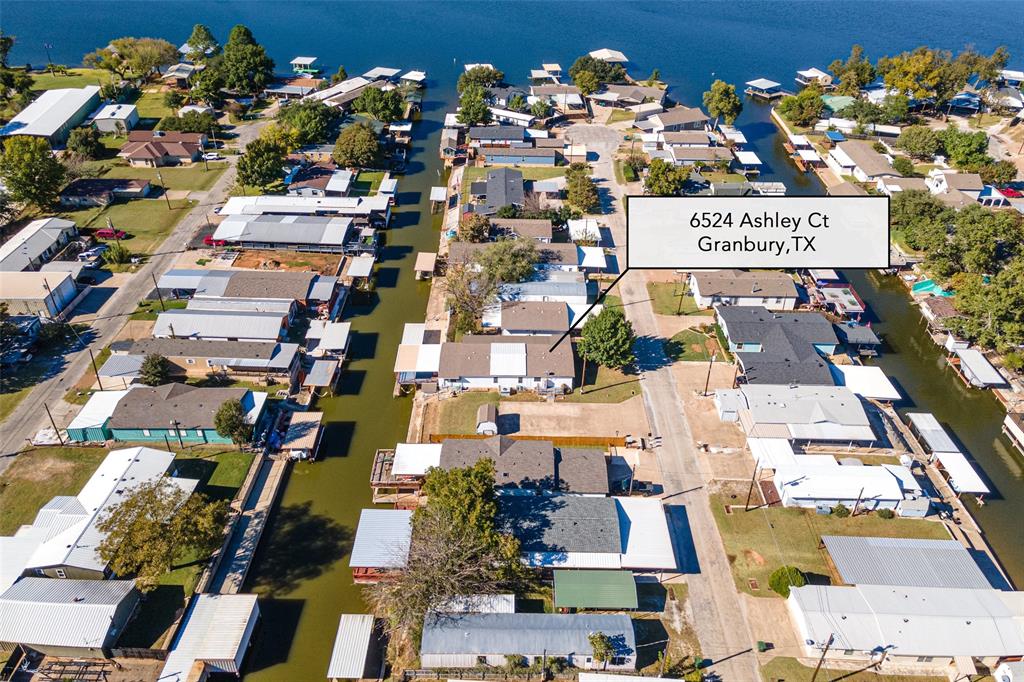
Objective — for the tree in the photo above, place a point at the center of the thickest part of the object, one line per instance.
(587, 82)
(338, 76)
(723, 102)
(382, 105)
(805, 107)
(785, 578)
(581, 193)
(914, 74)
(920, 142)
(604, 72)
(608, 339)
(106, 59)
(854, 73)
(540, 109)
(474, 228)
(173, 99)
(509, 260)
(483, 76)
(14, 84)
(467, 292)
(202, 44)
(965, 149)
(864, 112)
(311, 119)
(117, 254)
(903, 166)
(155, 370)
(517, 103)
(601, 648)
(85, 143)
(155, 524)
(997, 172)
(230, 422)
(921, 217)
(665, 179)
(357, 146)
(8, 210)
(655, 76)
(262, 164)
(285, 137)
(190, 122)
(473, 107)
(30, 172)
(139, 56)
(207, 86)
(246, 67)
(895, 109)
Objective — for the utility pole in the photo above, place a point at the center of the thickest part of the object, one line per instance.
(49, 61)
(160, 177)
(158, 294)
(53, 424)
(95, 369)
(828, 645)
(856, 505)
(707, 382)
(750, 490)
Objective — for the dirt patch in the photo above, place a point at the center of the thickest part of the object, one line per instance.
(45, 468)
(323, 263)
(753, 557)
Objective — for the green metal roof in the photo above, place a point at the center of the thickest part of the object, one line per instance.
(595, 590)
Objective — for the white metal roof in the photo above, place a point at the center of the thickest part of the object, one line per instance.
(807, 412)
(827, 482)
(71, 613)
(508, 360)
(468, 67)
(592, 257)
(438, 193)
(285, 229)
(31, 241)
(914, 621)
(904, 561)
(216, 629)
(648, 544)
(218, 324)
(322, 373)
(272, 203)
(381, 72)
(52, 110)
(361, 266)
(747, 158)
(412, 333)
(351, 646)
(771, 453)
(97, 411)
(931, 432)
(415, 76)
(413, 459)
(583, 228)
(478, 603)
(813, 72)
(808, 154)
(382, 539)
(302, 61)
(117, 112)
(607, 55)
(978, 369)
(962, 475)
(332, 335)
(762, 84)
(867, 382)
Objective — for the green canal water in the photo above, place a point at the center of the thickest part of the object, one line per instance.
(301, 568)
(974, 417)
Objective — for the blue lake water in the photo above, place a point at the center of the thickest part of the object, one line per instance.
(302, 573)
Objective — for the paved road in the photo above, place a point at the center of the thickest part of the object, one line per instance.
(720, 618)
(30, 415)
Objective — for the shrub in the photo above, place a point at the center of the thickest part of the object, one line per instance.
(1013, 361)
(886, 514)
(841, 511)
(514, 662)
(785, 577)
(117, 254)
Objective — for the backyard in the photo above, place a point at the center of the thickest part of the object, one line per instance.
(671, 298)
(602, 385)
(691, 346)
(75, 78)
(474, 173)
(38, 474)
(147, 221)
(791, 670)
(759, 541)
(190, 178)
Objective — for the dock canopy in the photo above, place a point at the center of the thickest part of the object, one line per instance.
(605, 590)
(763, 84)
(963, 477)
(438, 193)
(978, 370)
(351, 647)
(303, 431)
(610, 56)
(931, 433)
(747, 158)
(361, 266)
(303, 61)
(322, 374)
(216, 631)
(382, 539)
(425, 261)
(414, 459)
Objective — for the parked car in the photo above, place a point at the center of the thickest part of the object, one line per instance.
(110, 233)
(210, 241)
(212, 156)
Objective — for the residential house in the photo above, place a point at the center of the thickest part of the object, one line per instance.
(537, 229)
(529, 318)
(820, 482)
(54, 114)
(496, 135)
(679, 118)
(194, 358)
(103, 191)
(955, 189)
(572, 288)
(682, 155)
(213, 637)
(470, 640)
(46, 294)
(629, 94)
(779, 348)
(928, 629)
(311, 233)
(501, 187)
(180, 75)
(890, 185)
(859, 159)
(773, 290)
(218, 325)
(320, 180)
(36, 243)
(66, 618)
(372, 211)
(520, 156)
(797, 413)
(805, 77)
(579, 531)
(61, 541)
(171, 413)
(154, 148)
(562, 97)
(509, 117)
(381, 544)
(117, 119)
(493, 362)
(907, 562)
(308, 288)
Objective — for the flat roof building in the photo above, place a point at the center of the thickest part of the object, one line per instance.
(54, 113)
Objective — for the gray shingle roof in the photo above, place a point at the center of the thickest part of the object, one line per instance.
(190, 406)
(787, 343)
(504, 188)
(526, 634)
(562, 523)
(527, 228)
(497, 133)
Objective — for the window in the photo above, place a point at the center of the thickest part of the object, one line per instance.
(190, 361)
(925, 659)
(618, 660)
(145, 432)
(764, 300)
(739, 346)
(848, 652)
(199, 433)
(209, 364)
(61, 574)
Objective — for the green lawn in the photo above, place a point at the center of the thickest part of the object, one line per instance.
(147, 221)
(367, 182)
(718, 176)
(151, 105)
(148, 310)
(39, 474)
(620, 115)
(670, 298)
(192, 178)
(690, 345)
(474, 173)
(722, 342)
(790, 670)
(603, 385)
(759, 541)
(458, 415)
(76, 78)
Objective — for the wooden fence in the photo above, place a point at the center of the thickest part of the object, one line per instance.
(558, 441)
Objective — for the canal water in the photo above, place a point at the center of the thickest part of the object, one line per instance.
(301, 570)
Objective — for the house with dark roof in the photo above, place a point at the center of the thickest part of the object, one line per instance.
(501, 187)
(102, 191)
(859, 159)
(520, 156)
(200, 357)
(496, 136)
(679, 118)
(538, 229)
(320, 180)
(781, 348)
(496, 362)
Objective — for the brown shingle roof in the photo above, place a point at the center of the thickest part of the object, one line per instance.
(867, 159)
(741, 283)
(681, 115)
(154, 408)
(471, 357)
(273, 284)
(528, 228)
(538, 316)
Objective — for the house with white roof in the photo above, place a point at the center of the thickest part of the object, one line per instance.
(213, 638)
(115, 118)
(312, 233)
(35, 244)
(798, 413)
(54, 113)
(820, 482)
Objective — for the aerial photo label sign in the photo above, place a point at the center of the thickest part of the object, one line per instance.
(757, 232)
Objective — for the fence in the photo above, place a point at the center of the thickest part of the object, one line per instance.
(458, 674)
(558, 441)
(134, 652)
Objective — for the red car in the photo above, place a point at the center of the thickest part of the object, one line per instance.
(210, 241)
(108, 233)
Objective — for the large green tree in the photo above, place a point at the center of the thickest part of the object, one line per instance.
(803, 108)
(921, 142)
(140, 57)
(190, 122)
(206, 86)
(853, 73)
(202, 44)
(604, 72)
(474, 227)
(231, 422)
(483, 76)
(965, 149)
(358, 145)
(722, 102)
(608, 339)
(312, 120)
(155, 370)
(156, 524)
(85, 143)
(473, 106)
(587, 82)
(468, 291)
(245, 65)
(509, 260)
(665, 179)
(30, 171)
(383, 105)
(262, 164)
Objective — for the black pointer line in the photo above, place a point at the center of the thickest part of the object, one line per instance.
(592, 306)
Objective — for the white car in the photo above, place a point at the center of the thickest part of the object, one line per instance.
(212, 156)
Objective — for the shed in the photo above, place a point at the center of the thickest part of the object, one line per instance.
(487, 419)
(216, 632)
(351, 648)
(605, 590)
